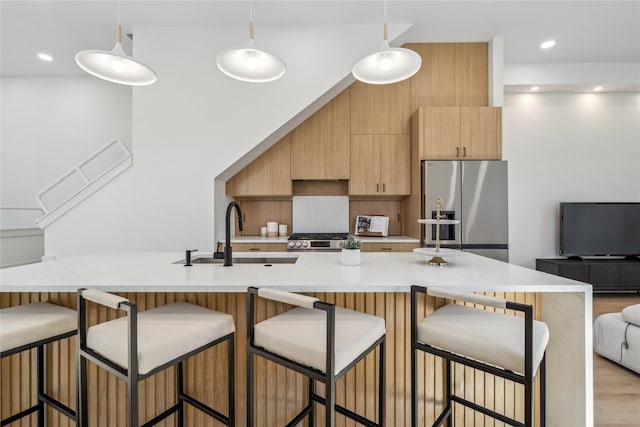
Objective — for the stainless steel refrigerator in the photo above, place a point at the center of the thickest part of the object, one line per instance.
(474, 192)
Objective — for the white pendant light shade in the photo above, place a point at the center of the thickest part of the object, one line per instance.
(388, 65)
(115, 65)
(250, 64)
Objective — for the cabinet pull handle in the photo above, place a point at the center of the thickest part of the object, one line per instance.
(254, 249)
(383, 187)
(457, 151)
(377, 188)
(398, 216)
(385, 249)
(464, 151)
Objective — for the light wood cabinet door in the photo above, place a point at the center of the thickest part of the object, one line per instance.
(268, 175)
(480, 133)
(320, 146)
(380, 165)
(380, 109)
(460, 133)
(259, 247)
(365, 164)
(440, 133)
(388, 247)
(395, 164)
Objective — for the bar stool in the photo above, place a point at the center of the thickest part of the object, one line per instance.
(507, 346)
(30, 326)
(295, 340)
(140, 345)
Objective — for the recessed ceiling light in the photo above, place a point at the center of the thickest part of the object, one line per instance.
(598, 88)
(45, 57)
(535, 88)
(548, 44)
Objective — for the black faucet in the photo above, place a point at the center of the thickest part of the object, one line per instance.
(228, 254)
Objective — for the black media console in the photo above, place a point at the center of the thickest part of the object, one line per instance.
(606, 275)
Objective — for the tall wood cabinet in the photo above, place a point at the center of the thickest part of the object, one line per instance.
(320, 145)
(268, 175)
(459, 133)
(380, 109)
(380, 165)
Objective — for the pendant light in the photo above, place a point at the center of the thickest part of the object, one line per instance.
(388, 64)
(115, 65)
(250, 64)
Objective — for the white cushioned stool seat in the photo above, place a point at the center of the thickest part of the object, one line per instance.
(30, 323)
(164, 334)
(485, 336)
(300, 335)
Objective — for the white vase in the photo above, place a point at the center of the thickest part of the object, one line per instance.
(351, 257)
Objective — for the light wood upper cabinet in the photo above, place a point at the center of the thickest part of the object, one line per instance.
(268, 175)
(320, 146)
(440, 133)
(380, 165)
(459, 133)
(481, 133)
(451, 74)
(380, 109)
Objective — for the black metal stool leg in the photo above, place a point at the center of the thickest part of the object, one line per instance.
(543, 391)
(231, 354)
(381, 383)
(250, 386)
(41, 386)
(312, 392)
(83, 420)
(180, 374)
(449, 393)
(330, 402)
(132, 413)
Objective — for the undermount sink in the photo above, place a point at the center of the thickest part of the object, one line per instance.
(244, 260)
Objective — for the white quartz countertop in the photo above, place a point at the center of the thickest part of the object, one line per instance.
(313, 272)
(365, 239)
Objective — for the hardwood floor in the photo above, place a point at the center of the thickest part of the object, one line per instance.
(616, 389)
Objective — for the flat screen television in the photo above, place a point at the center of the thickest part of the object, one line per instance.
(599, 229)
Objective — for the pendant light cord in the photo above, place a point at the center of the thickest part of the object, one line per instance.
(386, 30)
(118, 28)
(251, 20)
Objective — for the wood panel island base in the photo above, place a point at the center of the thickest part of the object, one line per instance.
(380, 286)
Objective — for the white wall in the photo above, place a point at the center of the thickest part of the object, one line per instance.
(566, 147)
(193, 124)
(51, 124)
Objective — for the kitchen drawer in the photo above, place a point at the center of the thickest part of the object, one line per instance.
(388, 247)
(259, 247)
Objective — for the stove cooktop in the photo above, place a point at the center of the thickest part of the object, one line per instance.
(318, 236)
(316, 241)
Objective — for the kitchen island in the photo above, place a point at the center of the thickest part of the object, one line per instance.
(380, 286)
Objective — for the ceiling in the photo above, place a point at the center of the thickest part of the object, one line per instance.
(585, 31)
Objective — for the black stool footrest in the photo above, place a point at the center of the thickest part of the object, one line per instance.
(162, 416)
(16, 417)
(346, 412)
(204, 408)
(61, 407)
(298, 418)
(486, 411)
